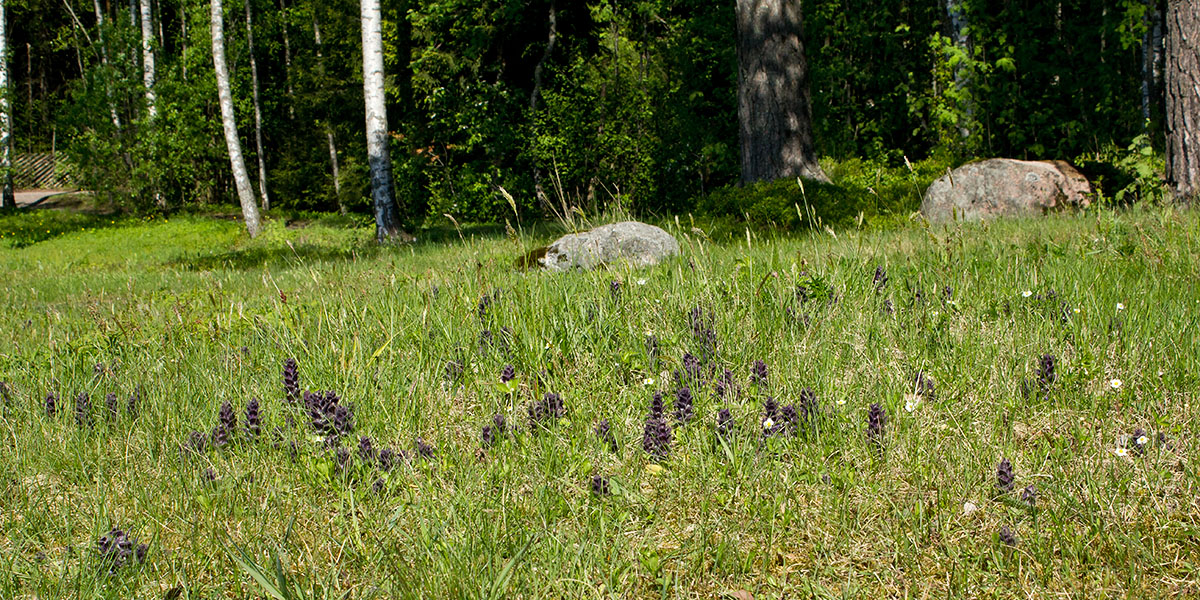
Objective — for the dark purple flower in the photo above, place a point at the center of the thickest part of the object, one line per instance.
(1029, 496)
(888, 307)
(683, 405)
(656, 406)
(424, 450)
(499, 424)
(1046, 374)
(1004, 475)
(758, 373)
(291, 380)
(614, 289)
(1007, 537)
(691, 368)
(343, 420)
(488, 436)
(789, 419)
(453, 371)
(253, 419)
(342, 455)
(724, 422)
(656, 438)
(387, 459)
(604, 432)
(1139, 440)
(116, 549)
(876, 421)
(880, 280)
(51, 405)
(508, 374)
(226, 425)
(197, 441)
(550, 407)
(600, 486)
(83, 410)
(135, 400)
(923, 386)
(947, 293)
(725, 385)
(366, 449)
(113, 405)
(379, 487)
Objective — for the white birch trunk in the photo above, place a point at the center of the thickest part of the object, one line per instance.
(258, 144)
(112, 107)
(287, 61)
(387, 219)
(7, 200)
(240, 177)
(148, 59)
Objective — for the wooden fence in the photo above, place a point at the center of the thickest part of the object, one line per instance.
(40, 171)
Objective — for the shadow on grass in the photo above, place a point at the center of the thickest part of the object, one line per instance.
(278, 256)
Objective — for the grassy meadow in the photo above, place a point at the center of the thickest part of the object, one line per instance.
(187, 315)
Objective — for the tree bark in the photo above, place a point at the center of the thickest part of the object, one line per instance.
(774, 105)
(148, 59)
(258, 137)
(383, 195)
(958, 34)
(287, 61)
(334, 167)
(1183, 98)
(536, 94)
(112, 106)
(7, 199)
(229, 122)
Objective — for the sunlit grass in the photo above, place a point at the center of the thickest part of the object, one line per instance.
(197, 315)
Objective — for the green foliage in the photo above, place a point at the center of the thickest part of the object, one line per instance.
(1124, 176)
(859, 189)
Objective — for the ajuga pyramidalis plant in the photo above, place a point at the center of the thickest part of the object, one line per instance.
(876, 421)
(291, 380)
(1004, 475)
(51, 405)
(113, 405)
(253, 419)
(683, 405)
(83, 410)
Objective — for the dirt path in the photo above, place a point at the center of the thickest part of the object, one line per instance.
(27, 198)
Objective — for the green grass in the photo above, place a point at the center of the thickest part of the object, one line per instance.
(197, 315)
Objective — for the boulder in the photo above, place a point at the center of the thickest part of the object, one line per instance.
(638, 244)
(1003, 187)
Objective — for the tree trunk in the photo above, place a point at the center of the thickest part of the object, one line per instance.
(958, 34)
(387, 217)
(333, 151)
(148, 59)
(7, 200)
(1183, 98)
(535, 95)
(258, 144)
(112, 107)
(333, 165)
(240, 176)
(774, 105)
(183, 40)
(287, 61)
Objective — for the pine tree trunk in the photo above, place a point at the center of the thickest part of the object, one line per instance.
(387, 217)
(774, 105)
(258, 138)
(7, 199)
(148, 59)
(229, 122)
(1183, 98)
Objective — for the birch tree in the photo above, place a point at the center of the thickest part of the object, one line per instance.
(112, 107)
(258, 129)
(7, 200)
(387, 217)
(148, 59)
(229, 122)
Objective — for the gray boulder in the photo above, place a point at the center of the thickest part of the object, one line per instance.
(1002, 187)
(638, 244)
